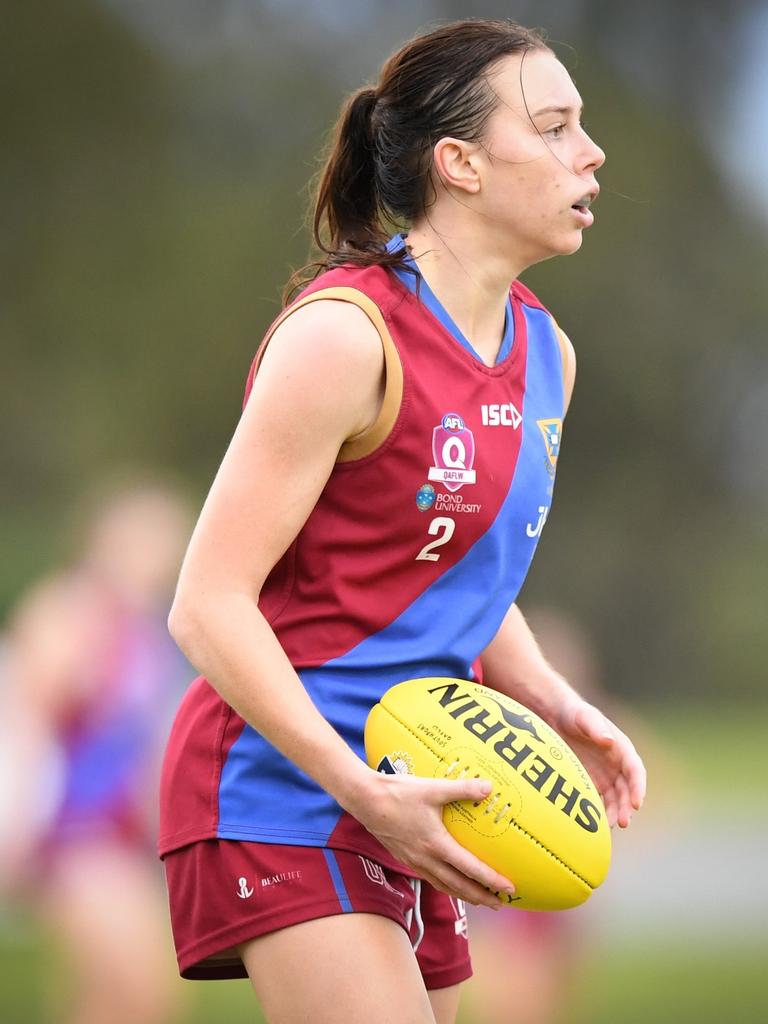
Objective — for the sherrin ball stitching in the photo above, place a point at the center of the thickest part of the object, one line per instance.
(533, 839)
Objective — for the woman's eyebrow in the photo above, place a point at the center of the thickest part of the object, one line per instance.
(558, 110)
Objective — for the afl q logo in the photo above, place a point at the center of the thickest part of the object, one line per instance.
(453, 452)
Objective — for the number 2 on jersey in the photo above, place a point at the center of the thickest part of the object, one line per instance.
(441, 523)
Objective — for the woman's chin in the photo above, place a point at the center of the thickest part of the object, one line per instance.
(571, 243)
(559, 247)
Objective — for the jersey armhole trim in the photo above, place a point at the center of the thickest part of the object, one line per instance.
(567, 364)
(368, 440)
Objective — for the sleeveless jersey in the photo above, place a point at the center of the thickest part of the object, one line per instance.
(406, 567)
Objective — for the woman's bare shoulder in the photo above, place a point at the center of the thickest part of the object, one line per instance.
(328, 331)
(327, 353)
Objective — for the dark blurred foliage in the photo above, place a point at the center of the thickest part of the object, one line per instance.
(154, 181)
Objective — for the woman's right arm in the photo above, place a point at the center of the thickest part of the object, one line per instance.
(319, 383)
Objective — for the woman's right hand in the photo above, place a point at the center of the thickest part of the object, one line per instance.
(405, 814)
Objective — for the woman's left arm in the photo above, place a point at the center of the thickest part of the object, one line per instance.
(514, 664)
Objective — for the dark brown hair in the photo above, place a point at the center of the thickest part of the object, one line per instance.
(378, 168)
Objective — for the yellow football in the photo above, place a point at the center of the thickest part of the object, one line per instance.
(543, 825)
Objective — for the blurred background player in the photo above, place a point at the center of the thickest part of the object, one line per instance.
(89, 675)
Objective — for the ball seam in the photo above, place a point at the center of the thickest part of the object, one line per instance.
(512, 820)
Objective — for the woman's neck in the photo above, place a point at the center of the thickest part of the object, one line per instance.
(470, 282)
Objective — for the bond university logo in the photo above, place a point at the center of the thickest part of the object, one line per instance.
(551, 431)
(453, 452)
(425, 497)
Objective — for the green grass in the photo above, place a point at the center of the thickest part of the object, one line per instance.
(623, 986)
(672, 985)
(31, 987)
(662, 984)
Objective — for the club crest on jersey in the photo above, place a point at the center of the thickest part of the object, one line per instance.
(551, 431)
(453, 451)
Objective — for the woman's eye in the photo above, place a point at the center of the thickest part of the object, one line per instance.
(556, 131)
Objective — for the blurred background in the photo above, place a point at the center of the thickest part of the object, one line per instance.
(154, 160)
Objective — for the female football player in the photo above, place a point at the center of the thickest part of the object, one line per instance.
(373, 521)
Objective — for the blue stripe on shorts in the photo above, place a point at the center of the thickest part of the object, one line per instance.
(338, 881)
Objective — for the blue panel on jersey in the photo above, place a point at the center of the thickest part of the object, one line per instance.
(287, 810)
(292, 809)
(440, 634)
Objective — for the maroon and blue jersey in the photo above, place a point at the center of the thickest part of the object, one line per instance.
(406, 566)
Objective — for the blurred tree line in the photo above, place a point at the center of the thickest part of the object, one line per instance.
(155, 187)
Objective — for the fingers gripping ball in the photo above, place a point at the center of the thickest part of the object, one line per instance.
(543, 825)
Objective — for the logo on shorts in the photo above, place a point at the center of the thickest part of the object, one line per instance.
(245, 892)
(281, 878)
(375, 873)
(453, 451)
(460, 924)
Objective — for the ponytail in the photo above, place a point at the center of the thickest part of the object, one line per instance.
(346, 195)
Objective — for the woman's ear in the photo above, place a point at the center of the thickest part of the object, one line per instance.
(455, 163)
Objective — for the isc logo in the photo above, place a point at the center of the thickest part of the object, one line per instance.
(505, 415)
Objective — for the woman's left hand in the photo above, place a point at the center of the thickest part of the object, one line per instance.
(608, 755)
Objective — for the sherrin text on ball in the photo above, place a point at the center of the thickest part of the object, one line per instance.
(543, 824)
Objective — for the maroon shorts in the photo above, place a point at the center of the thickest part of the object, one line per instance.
(223, 893)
